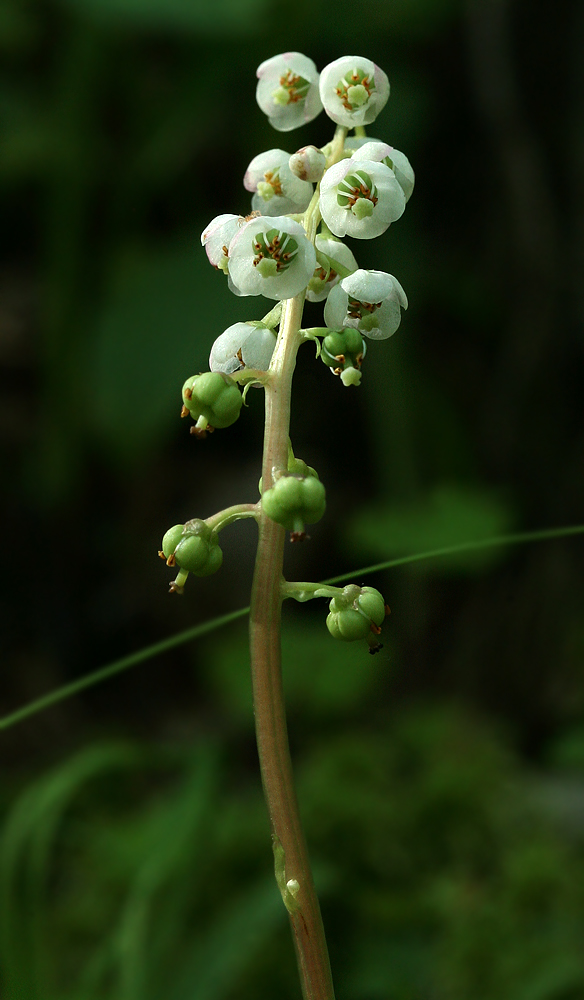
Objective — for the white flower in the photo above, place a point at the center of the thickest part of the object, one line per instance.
(218, 235)
(353, 91)
(328, 253)
(243, 345)
(360, 199)
(271, 257)
(380, 152)
(370, 301)
(277, 191)
(287, 91)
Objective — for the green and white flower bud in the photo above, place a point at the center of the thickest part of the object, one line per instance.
(308, 164)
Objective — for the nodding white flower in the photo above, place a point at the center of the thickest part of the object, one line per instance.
(360, 199)
(243, 345)
(328, 253)
(271, 257)
(380, 152)
(370, 301)
(353, 91)
(217, 237)
(277, 191)
(308, 163)
(287, 91)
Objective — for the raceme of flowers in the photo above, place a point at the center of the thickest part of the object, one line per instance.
(355, 186)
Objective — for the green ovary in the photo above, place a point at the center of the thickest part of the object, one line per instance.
(274, 252)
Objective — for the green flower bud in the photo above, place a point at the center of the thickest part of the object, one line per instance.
(293, 501)
(357, 613)
(212, 399)
(194, 548)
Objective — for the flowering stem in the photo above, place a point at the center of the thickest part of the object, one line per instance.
(290, 851)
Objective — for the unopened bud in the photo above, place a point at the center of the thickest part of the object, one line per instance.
(308, 164)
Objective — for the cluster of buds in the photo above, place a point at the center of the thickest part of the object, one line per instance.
(304, 203)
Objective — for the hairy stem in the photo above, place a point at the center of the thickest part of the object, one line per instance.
(270, 714)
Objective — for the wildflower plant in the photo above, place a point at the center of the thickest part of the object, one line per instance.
(289, 249)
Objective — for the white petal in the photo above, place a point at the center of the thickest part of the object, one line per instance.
(335, 310)
(368, 286)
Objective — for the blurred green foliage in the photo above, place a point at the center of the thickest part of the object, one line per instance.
(441, 782)
(138, 871)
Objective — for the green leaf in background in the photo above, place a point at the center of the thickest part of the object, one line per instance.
(216, 17)
(322, 679)
(448, 513)
(156, 328)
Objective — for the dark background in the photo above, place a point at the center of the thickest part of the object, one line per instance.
(442, 782)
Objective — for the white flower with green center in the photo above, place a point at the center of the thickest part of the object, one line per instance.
(380, 152)
(353, 91)
(360, 199)
(329, 255)
(271, 257)
(243, 345)
(277, 191)
(369, 301)
(287, 90)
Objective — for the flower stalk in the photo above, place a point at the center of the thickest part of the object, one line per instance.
(268, 695)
